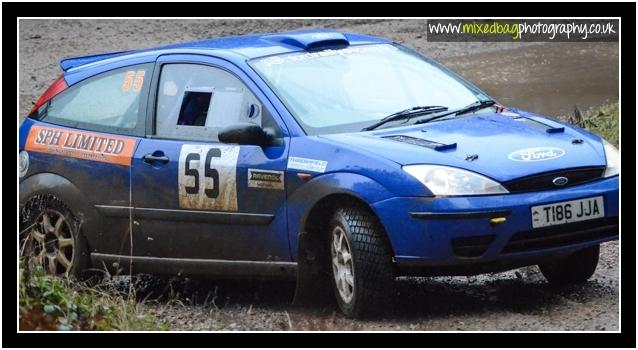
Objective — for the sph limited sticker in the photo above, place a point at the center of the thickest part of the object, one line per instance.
(269, 179)
(318, 166)
(98, 147)
(536, 154)
(207, 177)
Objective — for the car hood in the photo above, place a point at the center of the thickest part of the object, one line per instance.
(502, 146)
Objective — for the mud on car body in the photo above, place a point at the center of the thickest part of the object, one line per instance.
(341, 160)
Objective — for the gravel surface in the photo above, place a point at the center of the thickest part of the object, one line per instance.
(518, 300)
(548, 78)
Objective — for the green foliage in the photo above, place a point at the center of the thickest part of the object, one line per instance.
(54, 303)
(603, 121)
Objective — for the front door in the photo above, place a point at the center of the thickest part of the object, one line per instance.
(195, 197)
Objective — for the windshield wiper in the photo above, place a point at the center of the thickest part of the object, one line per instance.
(474, 106)
(406, 114)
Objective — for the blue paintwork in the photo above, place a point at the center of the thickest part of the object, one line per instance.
(491, 136)
(429, 240)
(236, 49)
(364, 165)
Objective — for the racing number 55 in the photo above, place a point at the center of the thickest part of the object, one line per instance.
(208, 172)
(210, 184)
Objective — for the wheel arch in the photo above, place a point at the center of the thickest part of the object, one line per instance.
(308, 208)
(64, 190)
(327, 205)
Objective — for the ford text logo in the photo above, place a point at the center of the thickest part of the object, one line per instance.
(536, 154)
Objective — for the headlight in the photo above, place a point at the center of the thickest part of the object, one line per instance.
(447, 181)
(613, 160)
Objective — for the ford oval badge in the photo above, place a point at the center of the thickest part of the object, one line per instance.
(536, 154)
(560, 181)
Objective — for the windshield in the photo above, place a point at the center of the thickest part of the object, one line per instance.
(342, 90)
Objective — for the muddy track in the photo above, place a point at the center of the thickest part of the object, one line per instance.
(548, 78)
(518, 300)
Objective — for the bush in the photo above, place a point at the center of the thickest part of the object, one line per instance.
(55, 303)
(603, 121)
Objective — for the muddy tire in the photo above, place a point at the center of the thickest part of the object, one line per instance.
(361, 262)
(575, 268)
(50, 238)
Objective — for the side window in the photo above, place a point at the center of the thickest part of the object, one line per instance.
(195, 101)
(110, 102)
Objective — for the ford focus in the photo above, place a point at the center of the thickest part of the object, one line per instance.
(340, 160)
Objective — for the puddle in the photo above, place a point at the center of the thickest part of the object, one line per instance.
(549, 78)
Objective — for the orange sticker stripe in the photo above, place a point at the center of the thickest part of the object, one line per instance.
(98, 147)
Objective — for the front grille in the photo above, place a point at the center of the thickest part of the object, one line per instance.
(562, 235)
(471, 247)
(541, 182)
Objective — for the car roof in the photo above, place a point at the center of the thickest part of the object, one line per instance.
(237, 49)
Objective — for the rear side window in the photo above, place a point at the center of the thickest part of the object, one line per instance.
(195, 101)
(110, 102)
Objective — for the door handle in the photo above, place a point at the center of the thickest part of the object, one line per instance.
(152, 158)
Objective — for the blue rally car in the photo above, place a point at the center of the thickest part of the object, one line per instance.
(341, 160)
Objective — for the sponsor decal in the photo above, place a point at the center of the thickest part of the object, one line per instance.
(318, 166)
(270, 179)
(133, 81)
(536, 154)
(277, 60)
(94, 146)
(510, 114)
(207, 177)
(322, 36)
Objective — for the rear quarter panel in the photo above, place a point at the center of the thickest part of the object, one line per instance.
(81, 184)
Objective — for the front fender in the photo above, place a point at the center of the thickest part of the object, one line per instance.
(312, 280)
(306, 196)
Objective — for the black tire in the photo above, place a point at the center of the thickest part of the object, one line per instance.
(62, 225)
(371, 257)
(575, 268)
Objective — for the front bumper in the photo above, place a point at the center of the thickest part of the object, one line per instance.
(451, 232)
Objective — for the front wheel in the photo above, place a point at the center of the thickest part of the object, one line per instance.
(361, 262)
(575, 268)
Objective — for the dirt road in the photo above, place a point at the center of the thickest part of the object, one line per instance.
(547, 78)
(518, 300)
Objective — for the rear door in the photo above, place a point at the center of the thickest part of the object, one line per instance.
(87, 134)
(195, 197)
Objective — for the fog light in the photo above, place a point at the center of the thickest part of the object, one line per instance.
(496, 221)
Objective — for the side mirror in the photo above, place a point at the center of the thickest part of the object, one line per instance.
(245, 134)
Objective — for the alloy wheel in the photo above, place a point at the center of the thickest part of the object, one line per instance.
(342, 266)
(50, 243)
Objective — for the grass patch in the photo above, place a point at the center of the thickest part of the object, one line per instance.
(51, 303)
(602, 120)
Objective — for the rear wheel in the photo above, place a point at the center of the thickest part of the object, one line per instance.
(361, 262)
(577, 267)
(50, 238)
